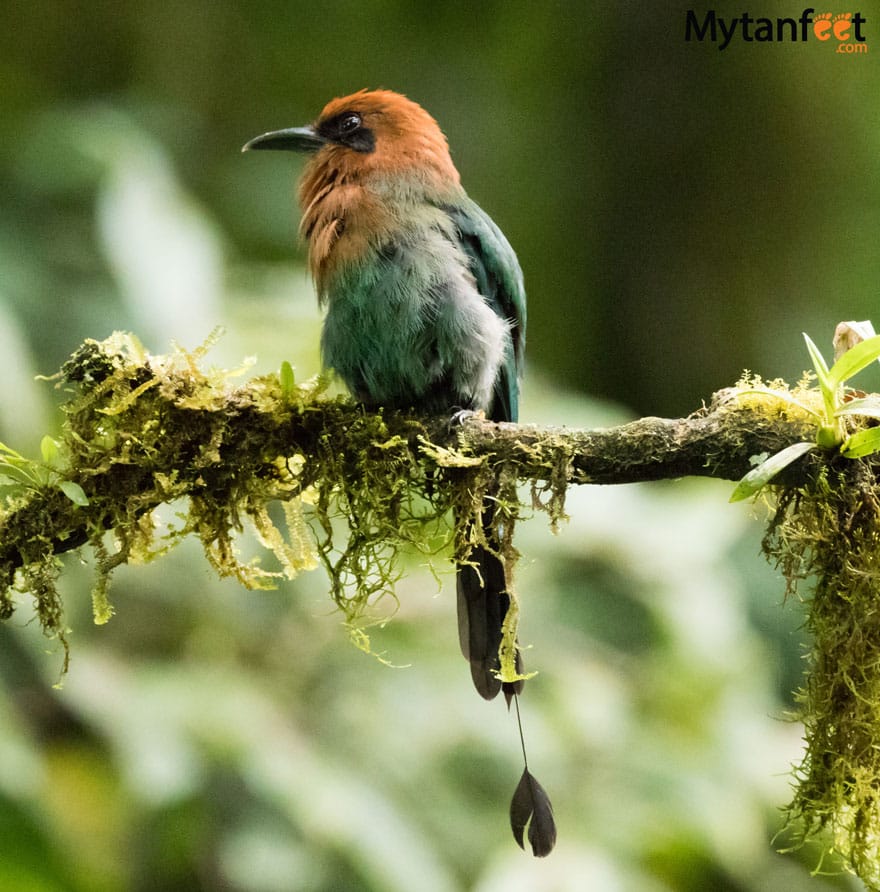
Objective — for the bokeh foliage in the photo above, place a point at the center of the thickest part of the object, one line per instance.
(680, 213)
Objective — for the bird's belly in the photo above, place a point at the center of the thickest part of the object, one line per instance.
(434, 348)
(386, 353)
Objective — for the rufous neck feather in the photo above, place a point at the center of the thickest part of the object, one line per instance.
(351, 199)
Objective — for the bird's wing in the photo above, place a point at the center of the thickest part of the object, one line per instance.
(499, 279)
(483, 599)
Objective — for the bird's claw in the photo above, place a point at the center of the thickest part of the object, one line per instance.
(460, 416)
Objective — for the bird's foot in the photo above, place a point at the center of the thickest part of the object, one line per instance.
(460, 416)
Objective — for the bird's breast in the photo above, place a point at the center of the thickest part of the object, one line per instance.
(342, 225)
(406, 325)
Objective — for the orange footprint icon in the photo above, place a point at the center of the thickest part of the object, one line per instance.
(822, 26)
(841, 25)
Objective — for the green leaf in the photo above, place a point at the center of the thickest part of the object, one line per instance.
(759, 477)
(287, 379)
(11, 453)
(854, 360)
(19, 475)
(862, 443)
(830, 393)
(819, 363)
(49, 449)
(74, 492)
(868, 406)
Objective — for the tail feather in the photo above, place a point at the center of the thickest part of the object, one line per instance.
(483, 602)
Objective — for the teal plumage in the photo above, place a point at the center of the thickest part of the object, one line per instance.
(499, 280)
(434, 319)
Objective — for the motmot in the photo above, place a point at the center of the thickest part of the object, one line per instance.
(424, 296)
(425, 310)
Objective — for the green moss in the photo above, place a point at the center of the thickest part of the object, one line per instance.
(827, 538)
(356, 489)
(322, 482)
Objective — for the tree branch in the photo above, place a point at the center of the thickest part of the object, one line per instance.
(720, 442)
(146, 430)
(142, 431)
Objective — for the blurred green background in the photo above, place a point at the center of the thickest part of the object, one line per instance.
(681, 213)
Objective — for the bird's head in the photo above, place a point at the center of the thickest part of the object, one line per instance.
(373, 134)
(375, 159)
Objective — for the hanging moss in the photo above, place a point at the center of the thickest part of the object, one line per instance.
(826, 539)
(143, 430)
(356, 489)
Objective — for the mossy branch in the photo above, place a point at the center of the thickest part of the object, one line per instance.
(715, 443)
(322, 481)
(719, 441)
(142, 431)
(145, 430)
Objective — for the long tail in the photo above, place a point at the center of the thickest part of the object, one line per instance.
(483, 602)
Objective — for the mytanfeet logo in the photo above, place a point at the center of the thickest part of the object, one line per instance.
(844, 30)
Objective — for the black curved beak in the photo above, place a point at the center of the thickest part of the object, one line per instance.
(292, 139)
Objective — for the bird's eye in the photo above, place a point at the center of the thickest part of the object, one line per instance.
(349, 123)
(348, 129)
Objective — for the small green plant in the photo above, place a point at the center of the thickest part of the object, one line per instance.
(838, 404)
(18, 471)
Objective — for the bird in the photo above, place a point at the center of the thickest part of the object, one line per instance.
(425, 310)
(424, 297)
